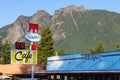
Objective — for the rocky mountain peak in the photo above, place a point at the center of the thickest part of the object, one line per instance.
(22, 19)
(18, 29)
(41, 17)
(69, 9)
(41, 12)
(56, 22)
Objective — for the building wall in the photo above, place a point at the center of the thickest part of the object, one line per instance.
(13, 69)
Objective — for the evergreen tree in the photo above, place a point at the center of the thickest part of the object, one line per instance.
(99, 48)
(45, 46)
(61, 52)
(0, 46)
(1, 52)
(6, 53)
(118, 46)
(1, 58)
(27, 45)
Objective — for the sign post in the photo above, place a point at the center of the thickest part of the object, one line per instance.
(21, 56)
(33, 37)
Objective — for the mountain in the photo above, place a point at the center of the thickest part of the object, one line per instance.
(75, 29)
(18, 29)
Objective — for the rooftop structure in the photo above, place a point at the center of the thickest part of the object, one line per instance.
(107, 61)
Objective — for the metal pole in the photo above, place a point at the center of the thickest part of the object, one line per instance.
(32, 71)
(32, 64)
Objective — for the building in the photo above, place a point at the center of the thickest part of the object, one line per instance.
(18, 70)
(77, 66)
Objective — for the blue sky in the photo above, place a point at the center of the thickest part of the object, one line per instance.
(11, 9)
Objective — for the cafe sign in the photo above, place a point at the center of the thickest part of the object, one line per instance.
(33, 37)
(23, 57)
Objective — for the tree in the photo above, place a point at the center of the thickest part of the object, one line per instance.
(6, 53)
(60, 53)
(1, 51)
(118, 46)
(45, 46)
(99, 48)
(27, 45)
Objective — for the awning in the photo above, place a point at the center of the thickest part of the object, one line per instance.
(117, 71)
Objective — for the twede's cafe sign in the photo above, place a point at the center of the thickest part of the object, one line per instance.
(26, 56)
(23, 56)
(33, 37)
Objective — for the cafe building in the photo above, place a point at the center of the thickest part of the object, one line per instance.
(77, 66)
